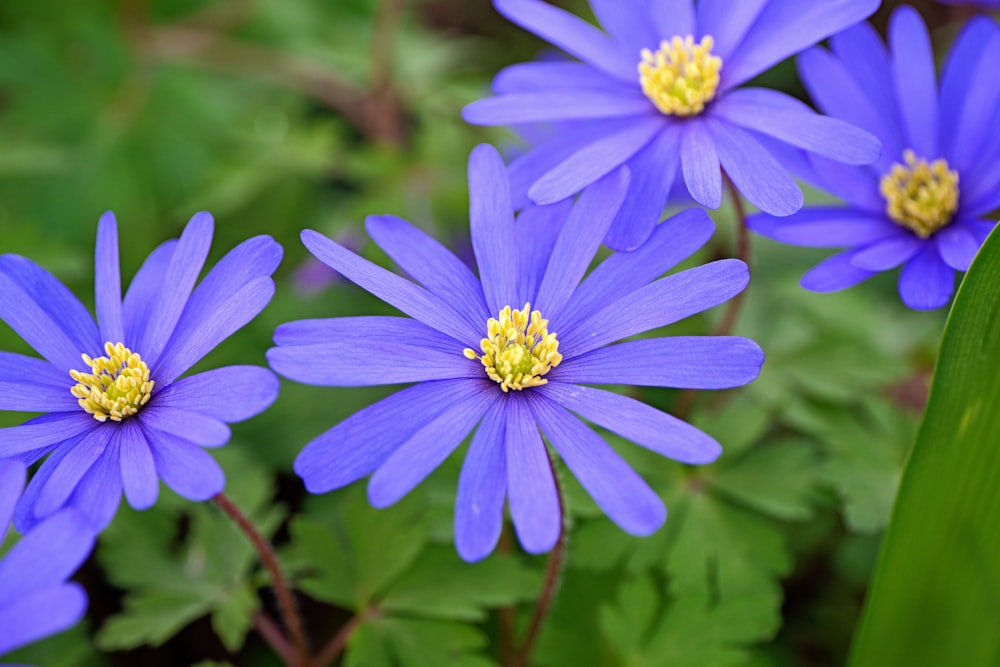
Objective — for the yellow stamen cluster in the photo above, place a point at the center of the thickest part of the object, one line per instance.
(519, 349)
(682, 76)
(920, 196)
(116, 386)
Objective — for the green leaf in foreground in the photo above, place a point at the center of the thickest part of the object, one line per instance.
(933, 600)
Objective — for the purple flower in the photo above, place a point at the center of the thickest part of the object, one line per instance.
(35, 600)
(512, 352)
(118, 418)
(921, 204)
(660, 94)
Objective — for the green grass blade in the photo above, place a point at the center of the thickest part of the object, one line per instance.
(935, 596)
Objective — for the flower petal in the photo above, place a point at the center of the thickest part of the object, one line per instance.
(579, 240)
(41, 614)
(138, 469)
(33, 385)
(358, 445)
(78, 461)
(980, 109)
(546, 75)
(537, 228)
(491, 226)
(887, 253)
(482, 488)
(824, 227)
(700, 165)
(44, 431)
(556, 105)
(144, 292)
(108, 280)
(629, 22)
(186, 468)
(569, 33)
(673, 17)
(593, 161)
(754, 171)
(428, 447)
(970, 54)
(957, 246)
(684, 362)
(915, 79)
(398, 292)
(100, 491)
(727, 22)
(926, 282)
(535, 506)
(45, 557)
(835, 273)
(611, 482)
(177, 282)
(658, 304)
(635, 421)
(194, 427)
(231, 393)
(12, 477)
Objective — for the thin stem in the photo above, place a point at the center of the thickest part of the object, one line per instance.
(339, 641)
(552, 570)
(272, 634)
(505, 615)
(725, 325)
(286, 602)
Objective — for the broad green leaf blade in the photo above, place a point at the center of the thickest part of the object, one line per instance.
(933, 599)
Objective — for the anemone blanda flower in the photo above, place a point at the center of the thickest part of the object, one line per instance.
(35, 599)
(118, 418)
(660, 94)
(512, 351)
(921, 204)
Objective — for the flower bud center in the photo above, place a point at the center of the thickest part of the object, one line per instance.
(681, 77)
(116, 386)
(921, 196)
(518, 349)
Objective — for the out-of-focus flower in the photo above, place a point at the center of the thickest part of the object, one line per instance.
(660, 93)
(117, 416)
(921, 204)
(513, 351)
(35, 599)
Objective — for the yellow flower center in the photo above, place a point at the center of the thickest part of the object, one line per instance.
(518, 350)
(921, 196)
(116, 386)
(681, 77)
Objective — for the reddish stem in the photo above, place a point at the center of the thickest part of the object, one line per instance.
(338, 643)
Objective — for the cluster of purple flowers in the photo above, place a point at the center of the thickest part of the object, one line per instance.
(510, 355)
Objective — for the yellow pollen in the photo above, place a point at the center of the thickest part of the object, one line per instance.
(519, 349)
(116, 386)
(681, 77)
(920, 196)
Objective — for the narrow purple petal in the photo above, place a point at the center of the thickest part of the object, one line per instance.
(100, 491)
(700, 165)
(963, 69)
(33, 385)
(754, 171)
(673, 17)
(430, 264)
(658, 304)
(44, 313)
(195, 427)
(537, 76)
(143, 292)
(24, 513)
(343, 364)
(887, 253)
(633, 420)
(557, 105)
(785, 118)
(727, 22)
(569, 33)
(41, 614)
(834, 274)
(537, 228)
(362, 330)
(824, 227)
(491, 225)
(108, 280)
(45, 557)
(579, 240)
(980, 109)
(77, 462)
(358, 445)
(611, 482)
(44, 431)
(628, 21)
(185, 467)
(482, 488)
(915, 79)
(671, 242)
(231, 393)
(858, 188)
(427, 448)
(593, 161)
(926, 282)
(138, 469)
(398, 292)
(957, 246)
(531, 487)
(652, 170)
(864, 56)
(786, 27)
(12, 476)
(684, 362)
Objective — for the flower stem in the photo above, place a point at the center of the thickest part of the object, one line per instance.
(725, 326)
(557, 559)
(272, 634)
(286, 602)
(339, 641)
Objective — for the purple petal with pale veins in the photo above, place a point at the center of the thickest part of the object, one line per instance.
(482, 487)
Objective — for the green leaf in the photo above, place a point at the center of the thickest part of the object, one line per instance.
(152, 617)
(933, 599)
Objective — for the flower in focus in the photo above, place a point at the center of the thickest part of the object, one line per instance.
(659, 93)
(117, 416)
(513, 351)
(35, 599)
(921, 205)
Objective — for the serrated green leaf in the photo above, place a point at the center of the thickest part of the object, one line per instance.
(233, 618)
(777, 479)
(933, 599)
(438, 643)
(152, 617)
